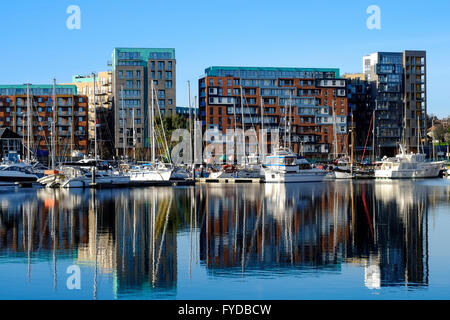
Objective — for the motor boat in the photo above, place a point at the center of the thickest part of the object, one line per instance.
(150, 172)
(407, 166)
(284, 166)
(17, 172)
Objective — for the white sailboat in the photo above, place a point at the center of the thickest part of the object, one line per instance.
(154, 171)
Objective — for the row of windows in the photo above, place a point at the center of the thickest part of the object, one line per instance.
(40, 109)
(129, 74)
(161, 65)
(22, 101)
(168, 75)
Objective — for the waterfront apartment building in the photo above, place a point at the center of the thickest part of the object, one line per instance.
(361, 104)
(315, 100)
(398, 92)
(133, 70)
(71, 117)
(104, 111)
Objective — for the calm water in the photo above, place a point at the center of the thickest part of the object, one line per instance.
(331, 240)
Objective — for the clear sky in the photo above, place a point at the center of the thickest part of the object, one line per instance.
(37, 46)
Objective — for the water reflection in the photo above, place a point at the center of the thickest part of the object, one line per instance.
(233, 231)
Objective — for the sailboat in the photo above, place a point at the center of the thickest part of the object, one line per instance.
(251, 167)
(156, 170)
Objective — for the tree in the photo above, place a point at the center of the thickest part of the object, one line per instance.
(179, 122)
(447, 137)
(438, 132)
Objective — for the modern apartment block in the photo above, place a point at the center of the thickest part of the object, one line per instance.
(71, 117)
(361, 104)
(133, 70)
(314, 99)
(415, 96)
(104, 112)
(398, 89)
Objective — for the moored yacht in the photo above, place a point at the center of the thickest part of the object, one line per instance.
(285, 166)
(407, 166)
(150, 173)
(17, 172)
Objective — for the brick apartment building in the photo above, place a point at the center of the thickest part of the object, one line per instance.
(317, 99)
(71, 117)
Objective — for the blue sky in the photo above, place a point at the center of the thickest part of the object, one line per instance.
(37, 46)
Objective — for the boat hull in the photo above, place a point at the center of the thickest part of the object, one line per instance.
(428, 171)
(287, 177)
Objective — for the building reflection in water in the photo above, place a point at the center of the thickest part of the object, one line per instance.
(317, 227)
(233, 230)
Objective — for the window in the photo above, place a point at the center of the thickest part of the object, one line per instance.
(170, 101)
(169, 74)
(161, 103)
(160, 65)
(168, 84)
(129, 74)
(129, 84)
(160, 75)
(120, 74)
(169, 65)
(152, 66)
(229, 82)
(220, 82)
(153, 74)
(228, 92)
(138, 73)
(236, 82)
(211, 111)
(80, 99)
(161, 93)
(211, 82)
(138, 84)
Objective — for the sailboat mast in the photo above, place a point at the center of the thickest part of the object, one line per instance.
(134, 138)
(190, 120)
(152, 126)
(194, 129)
(335, 147)
(95, 120)
(243, 126)
(261, 133)
(352, 150)
(373, 134)
(290, 108)
(28, 122)
(54, 127)
(124, 129)
(418, 131)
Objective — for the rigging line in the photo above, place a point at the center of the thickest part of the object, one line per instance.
(368, 134)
